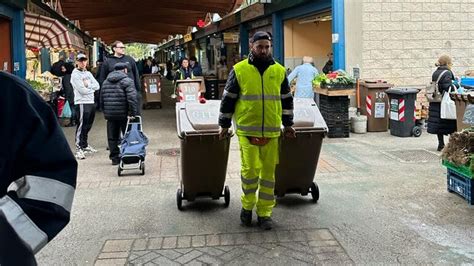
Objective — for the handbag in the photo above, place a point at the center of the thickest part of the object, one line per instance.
(448, 107)
(432, 92)
(67, 113)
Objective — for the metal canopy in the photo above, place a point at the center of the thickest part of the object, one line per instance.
(147, 21)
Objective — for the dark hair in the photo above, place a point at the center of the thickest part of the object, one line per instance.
(193, 58)
(114, 44)
(187, 59)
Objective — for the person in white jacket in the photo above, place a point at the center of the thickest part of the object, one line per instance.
(84, 85)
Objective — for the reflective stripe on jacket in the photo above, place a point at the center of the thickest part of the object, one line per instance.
(258, 110)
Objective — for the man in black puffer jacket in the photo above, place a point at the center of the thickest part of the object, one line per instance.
(119, 101)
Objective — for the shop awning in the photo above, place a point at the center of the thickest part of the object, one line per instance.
(46, 32)
(148, 21)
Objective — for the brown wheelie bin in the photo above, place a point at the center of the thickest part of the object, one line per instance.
(203, 156)
(299, 157)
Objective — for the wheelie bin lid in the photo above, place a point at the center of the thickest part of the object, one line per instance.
(194, 118)
(402, 90)
(307, 116)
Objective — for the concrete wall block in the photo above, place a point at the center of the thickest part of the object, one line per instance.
(412, 6)
(380, 54)
(450, 25)
(460, 17)
(420, 35)
(439, 16)
(413, 44)
(430, 7)
(411, 63)
(421, 71)
(400, 16)
(401, 72)
(452, 7)
(399, 54)
(400, 35)
(392, 44)
(412, 25)
(431, 25)
(392, 25)
(371, 7)
(433, 43)
(379, 16)
(461, 52)
(418, 16)
(370, 45)
(371, 26)
(459, 35)
(467, 7)
(391, 7)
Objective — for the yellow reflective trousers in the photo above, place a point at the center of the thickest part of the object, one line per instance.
(258, 175)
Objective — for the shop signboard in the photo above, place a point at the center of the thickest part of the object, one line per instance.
(188, 37)
(252, 12)
(260, 23)
(231, 37)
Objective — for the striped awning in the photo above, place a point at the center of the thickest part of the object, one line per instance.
(46, 32)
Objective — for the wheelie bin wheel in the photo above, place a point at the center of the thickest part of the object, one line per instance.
(416, 131)
(142, 167)
(179, 199)
(119, 171)
(226, 196)
(315, 192)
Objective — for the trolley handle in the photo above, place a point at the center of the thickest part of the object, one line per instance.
(135, 118)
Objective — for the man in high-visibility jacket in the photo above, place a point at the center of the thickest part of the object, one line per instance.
(257, 95)
(37, 173)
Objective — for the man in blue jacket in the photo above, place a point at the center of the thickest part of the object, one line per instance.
(37, 173)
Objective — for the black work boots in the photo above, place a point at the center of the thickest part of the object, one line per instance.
(246, 217)
(265, 223)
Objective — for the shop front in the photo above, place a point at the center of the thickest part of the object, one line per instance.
(12, 41)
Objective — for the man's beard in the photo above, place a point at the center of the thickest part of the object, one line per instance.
(261, 57)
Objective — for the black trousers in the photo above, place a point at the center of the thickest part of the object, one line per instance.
(114, 128)
(85, 114)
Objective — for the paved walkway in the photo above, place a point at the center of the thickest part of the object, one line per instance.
(383, 200)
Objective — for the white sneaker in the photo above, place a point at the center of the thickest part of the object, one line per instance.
(89, 149)
(80, 154)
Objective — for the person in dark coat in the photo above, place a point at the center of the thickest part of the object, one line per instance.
(184, 72)
(195, 66)
(436, 125)
(119, 101)
(147, 67)
(37, 173)
(67, 91)
(328, 67)
(119, 56)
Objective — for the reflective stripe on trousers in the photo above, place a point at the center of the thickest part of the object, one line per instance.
(258, 175)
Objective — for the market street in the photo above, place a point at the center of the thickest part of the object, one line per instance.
(383, 200)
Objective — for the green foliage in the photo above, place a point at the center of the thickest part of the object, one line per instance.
(138, 50)
(39, 86)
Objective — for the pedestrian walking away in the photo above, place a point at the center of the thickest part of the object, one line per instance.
(257, 95)
(119, 56)
(444, 78)
(119, 101)
(37, 173)
(84, 85)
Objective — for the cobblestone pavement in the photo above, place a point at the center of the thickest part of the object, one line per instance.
(283, 247)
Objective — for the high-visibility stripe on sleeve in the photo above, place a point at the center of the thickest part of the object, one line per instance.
(226, 115)
(287, 112)
(230, 95)
(286, 96)
(24, 227)
(45, 189)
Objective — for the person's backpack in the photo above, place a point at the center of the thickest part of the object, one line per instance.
(432, 91)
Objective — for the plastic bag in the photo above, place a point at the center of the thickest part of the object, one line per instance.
(67, 113)
(448, 107)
